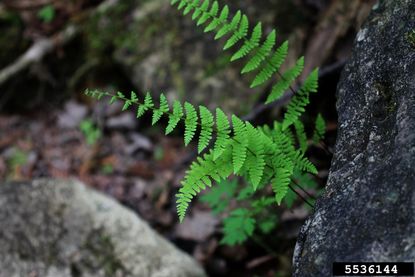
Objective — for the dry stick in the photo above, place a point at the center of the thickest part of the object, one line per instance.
(36, 52)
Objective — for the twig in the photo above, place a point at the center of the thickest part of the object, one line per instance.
(36, 52)
(302, 198)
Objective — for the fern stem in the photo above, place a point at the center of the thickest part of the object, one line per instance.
(302, 198)
(302, 189)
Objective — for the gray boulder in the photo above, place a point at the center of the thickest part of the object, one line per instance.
(55, 228)
(368, 210)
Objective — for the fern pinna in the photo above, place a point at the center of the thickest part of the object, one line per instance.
(263, 155)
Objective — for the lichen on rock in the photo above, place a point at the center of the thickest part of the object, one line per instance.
(368, 210)
(57, 228)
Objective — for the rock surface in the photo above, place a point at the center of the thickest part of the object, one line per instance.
(61, 228)
(368, 210)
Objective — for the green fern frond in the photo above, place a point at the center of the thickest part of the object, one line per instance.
(190, 123)
(250, 44)
(223, 131)
(175, 117)
(238, 227)
(206, 128)
(182, 4)
(227, 27)
(205, 15)
(320, 129)
(198, 177)
(239, 34)
(256, 157)
(240, 143)
(258, 154)
(215, 23)
(301, 99)
(199, 11)
(272, 67)
(281, 182)
(301, 136)
(303, 164)
(261, 53)
(148, 104)
(164, 108)
(286, 80)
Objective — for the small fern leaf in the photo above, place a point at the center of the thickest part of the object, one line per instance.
(301, 136)
(273, 65)
(286, 80)
(197, 178)
(190, 123)
(198, 10)
(188, 8)
(280, 183)
(239, 34)
(206, 118)
(206, 15)
(240, 143)
(257, 161)
(141, 111)
(164, 108)
(320, 129)
(300, 100)
(175, 117)
(261, 54)
(120, 95)
(134, 97)
(226, 28)
(182, 4)
(250, 44)
(148, 101)
(223, 17)
(113, 99)
(127, 104)
(303, 164)
(223, 130)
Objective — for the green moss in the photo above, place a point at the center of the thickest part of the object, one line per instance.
(411, 38)
(100, 255)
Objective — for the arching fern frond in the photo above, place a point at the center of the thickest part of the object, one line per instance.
(265, 59)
